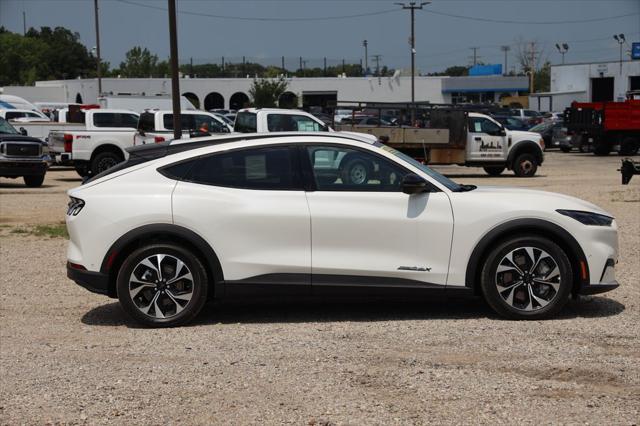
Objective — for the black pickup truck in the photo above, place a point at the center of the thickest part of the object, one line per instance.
(22, 156)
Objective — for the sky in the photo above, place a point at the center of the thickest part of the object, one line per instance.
(266, 30)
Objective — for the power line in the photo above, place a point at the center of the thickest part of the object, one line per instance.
(504, 21)
(262, 19)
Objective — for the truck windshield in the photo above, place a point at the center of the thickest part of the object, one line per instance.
(7, 128)
(432, 173)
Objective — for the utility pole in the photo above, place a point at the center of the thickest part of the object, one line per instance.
(175, 83)
(505, 49)
(98, 60)
(24, 23)
(474, 58)
(283, 70)
(301, 66)
(304, 66)
(532, 65)
(365, 43)
(412, 41)
(377, 58)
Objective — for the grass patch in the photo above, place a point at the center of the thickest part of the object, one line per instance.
(57, 230)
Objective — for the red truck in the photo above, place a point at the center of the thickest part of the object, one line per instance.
(605, 125)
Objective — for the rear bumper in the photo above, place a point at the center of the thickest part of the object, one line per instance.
(598, 288)
(95, 282)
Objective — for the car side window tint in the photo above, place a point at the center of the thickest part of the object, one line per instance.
(337, 168)
(292, 123)
(269, 168)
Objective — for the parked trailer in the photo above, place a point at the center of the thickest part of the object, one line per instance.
(605, 125)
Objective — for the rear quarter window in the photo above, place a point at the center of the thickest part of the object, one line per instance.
(146, 122)
(246, 122)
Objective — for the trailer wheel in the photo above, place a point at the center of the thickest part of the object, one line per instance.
(601, 149)
(494, 171)
(525, 165)
(629, 146)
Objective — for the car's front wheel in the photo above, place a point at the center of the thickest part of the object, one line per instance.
(34, 181)
(162, 285)
(527, 277)
(494, 170)
(525, 165)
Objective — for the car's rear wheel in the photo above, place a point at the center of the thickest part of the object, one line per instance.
(34, 181)
(527, 277)
(162, 285)
(494, 171)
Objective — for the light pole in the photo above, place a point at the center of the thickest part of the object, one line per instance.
(98, 71)
(412, 41)
(562, 48)
(365, 43)
(621, 40)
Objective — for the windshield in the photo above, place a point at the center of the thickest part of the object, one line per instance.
(7, 128)
(432, 173)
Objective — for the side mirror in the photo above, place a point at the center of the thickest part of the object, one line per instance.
(23, 131)
(414, 184)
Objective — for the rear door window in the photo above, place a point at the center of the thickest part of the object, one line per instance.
(292, 123)
(269, 168)
(111, 119)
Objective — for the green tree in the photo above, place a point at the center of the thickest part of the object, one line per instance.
(542, 78)
(266, 92)
(139, 62)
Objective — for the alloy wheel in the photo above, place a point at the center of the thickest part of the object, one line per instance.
(161, 286)
(528, 278)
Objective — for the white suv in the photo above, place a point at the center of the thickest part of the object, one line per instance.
(315, 214)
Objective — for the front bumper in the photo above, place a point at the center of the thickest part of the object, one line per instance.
(598, 288)
(95, 282)
(10, 168)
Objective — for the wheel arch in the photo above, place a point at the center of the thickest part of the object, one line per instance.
(155, 233)
(107, 147)
(525, 147)
(557, 234)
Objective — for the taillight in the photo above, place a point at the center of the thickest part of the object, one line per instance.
(158, 139)
(68, 142)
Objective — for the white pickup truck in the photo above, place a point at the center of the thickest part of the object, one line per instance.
(101, 143)
(157, 126)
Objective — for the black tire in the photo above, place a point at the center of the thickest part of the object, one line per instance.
(629, 146)
(601, 149)
(498, 300)
(525, 165)
(82, 169)
(355, 171)
(565, 149)
(171, 316)
(105, 160)
(34, 181)
(494, 170)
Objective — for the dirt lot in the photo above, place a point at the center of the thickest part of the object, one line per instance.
(69, 356)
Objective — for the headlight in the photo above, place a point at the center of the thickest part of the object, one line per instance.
(588, 218)
(541, 143)
(74, 206)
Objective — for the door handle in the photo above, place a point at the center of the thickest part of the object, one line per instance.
(479, 139)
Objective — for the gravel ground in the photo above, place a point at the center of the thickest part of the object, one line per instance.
(68, 356)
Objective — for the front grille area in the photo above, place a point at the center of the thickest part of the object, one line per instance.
(22, 149)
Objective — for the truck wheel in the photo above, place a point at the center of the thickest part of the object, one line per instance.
(82, 169)
(33, 181)
(103, 161)
(525, 165)
(356, 172)
(494, 171)
(629, 146)
(565, 149)
(601, 149)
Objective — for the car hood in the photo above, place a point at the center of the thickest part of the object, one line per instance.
(535, 199)
(521, 134)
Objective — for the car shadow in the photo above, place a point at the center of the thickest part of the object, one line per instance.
(112, 314)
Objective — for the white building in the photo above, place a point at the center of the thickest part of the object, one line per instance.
(587, 82)
(211, 93)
